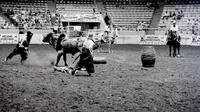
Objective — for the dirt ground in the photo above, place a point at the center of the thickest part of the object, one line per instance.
(122, 84)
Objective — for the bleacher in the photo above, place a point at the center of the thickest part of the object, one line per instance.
(71, 10)
(14, 8)
(2, 21)
(188, 24)
(75, 2)
(128, 15)
(34, 6)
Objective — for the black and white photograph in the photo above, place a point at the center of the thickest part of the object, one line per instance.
(99, 55)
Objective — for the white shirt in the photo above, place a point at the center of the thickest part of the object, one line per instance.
(88, 44)
(115, 32)
(107, 28)
(174, 28)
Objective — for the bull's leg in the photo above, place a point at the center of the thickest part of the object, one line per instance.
(174, 50)
(60, 53)
(65, 59)
(178, 48)
(170, 50)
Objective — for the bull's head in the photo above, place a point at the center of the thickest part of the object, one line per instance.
(49, 39)
(46, 38)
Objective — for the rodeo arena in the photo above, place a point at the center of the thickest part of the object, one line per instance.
(99, 56)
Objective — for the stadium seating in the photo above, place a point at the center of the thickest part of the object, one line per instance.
(70, 10)
(75, 8)
(188, 24)
(34, 6)
(2, 21)
(75, 1)
(23, 12)
(127, 16)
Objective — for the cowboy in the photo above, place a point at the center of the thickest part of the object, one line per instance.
(86, 60)
(21, 48)
(174, 29)
(90, 44)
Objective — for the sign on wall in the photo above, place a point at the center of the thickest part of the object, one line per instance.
(153, 39)
(8, 38)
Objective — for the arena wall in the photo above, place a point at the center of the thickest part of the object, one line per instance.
(12, 37)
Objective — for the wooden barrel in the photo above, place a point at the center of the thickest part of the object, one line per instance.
(148, 56)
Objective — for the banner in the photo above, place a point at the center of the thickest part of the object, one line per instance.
(37, 39)
(153, 39)
(81, 18)
(128, 39)
(186, 39)
(95, 34)
(8, 38)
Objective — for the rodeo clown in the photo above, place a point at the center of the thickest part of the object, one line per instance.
(21, 48)
(86, 58)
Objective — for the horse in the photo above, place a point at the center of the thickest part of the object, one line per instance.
(66, 46)
(173, 41)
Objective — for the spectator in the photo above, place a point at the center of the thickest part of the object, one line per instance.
(33, 20)
(140, 26)
(107, 19)
(166, 15)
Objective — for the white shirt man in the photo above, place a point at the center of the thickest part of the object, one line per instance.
(115, 32)
(107, 28)
(174, 27)
(89, 44)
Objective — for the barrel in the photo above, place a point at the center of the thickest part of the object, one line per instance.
(148, 56)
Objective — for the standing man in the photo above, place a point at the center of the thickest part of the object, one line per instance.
(115, 34)
(21, 48)
(108, 25)
(177, 39)
(107, 20)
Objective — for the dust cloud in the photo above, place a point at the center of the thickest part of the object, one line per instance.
(38, 59)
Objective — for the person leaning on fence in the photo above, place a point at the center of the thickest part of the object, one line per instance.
(21, 48)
